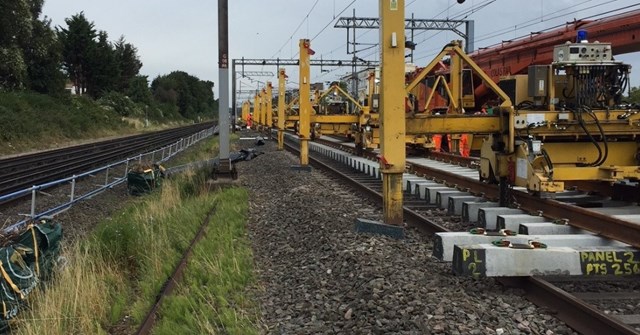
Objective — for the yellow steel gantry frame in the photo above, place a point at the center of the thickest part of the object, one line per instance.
(392, 115)
(282, 76)
(304, 131)
(263, 109)
(256, 111)
(246, 105)
(269, 107)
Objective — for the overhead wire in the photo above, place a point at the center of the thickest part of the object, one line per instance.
(297, 28)
(547, 29)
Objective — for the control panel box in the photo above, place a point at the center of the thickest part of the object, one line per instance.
(582, 52)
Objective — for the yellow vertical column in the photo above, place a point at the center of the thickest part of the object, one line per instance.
(281, 93)
(269, 109)
(259, 111)
(305, 100)
(245, 111)
(392, 132)
(456, 81)
(263, 114)
(254, 118)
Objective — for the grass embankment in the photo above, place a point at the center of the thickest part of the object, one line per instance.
(32, 121)
(116, 274)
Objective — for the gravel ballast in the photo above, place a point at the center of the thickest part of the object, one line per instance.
(316, 275)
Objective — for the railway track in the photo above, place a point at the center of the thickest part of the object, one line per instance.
(583, 303)
(21, 172)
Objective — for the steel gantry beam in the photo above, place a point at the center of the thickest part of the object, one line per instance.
(283, 62)
(414, 24)
(244, 73)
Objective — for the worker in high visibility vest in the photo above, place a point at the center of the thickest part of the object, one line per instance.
(249, 121)
(442, 143)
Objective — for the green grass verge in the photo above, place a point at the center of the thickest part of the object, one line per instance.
(113, 278)
(211, 297)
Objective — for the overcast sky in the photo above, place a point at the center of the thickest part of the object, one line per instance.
(182, 35)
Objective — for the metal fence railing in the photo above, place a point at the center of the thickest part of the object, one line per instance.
(164, 154)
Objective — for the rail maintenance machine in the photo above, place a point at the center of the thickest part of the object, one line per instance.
(561, 123)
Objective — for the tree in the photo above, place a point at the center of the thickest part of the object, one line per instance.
(15, 30)
(128, 61)
(139, 90)
(78, 42)
(191, 95)
(43, 57)
(102, 69)
(634, 95)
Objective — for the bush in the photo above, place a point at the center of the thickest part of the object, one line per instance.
(121, 104)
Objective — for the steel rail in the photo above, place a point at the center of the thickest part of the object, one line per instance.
(28, 169)
(573, 311)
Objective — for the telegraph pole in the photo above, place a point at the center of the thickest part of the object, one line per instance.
(224, 168)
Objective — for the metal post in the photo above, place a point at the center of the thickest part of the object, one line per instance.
(470, 36)
(223, 68)
(281, 95)
(33, 201)
(392, 132)
(73, 188)
(106, 177)
(126, 169)
(233, 95)
(305, 102)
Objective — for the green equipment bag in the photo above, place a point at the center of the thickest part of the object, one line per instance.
(25, 263)
(142, 179)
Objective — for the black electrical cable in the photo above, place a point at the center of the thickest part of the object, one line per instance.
(578, 115)
(547, 159)
(602, 134)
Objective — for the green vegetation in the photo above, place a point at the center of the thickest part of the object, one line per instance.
(117, 273)
(29, 119)
(35, 57)
(211, 297)
(634, 95)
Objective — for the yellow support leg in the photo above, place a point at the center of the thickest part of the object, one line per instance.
(305, 102)
(392, 134)
(256, 112)
(281, 105)
(269, 109)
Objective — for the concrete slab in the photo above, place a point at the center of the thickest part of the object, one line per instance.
(442, 197)
(420, 188)
(470, 209)
(407, 180)
(444, 243)
(513, 221)
(431, 192)
(548, 228)
(378, 228)
(487, 260)
(488, 217)
(454, 207)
